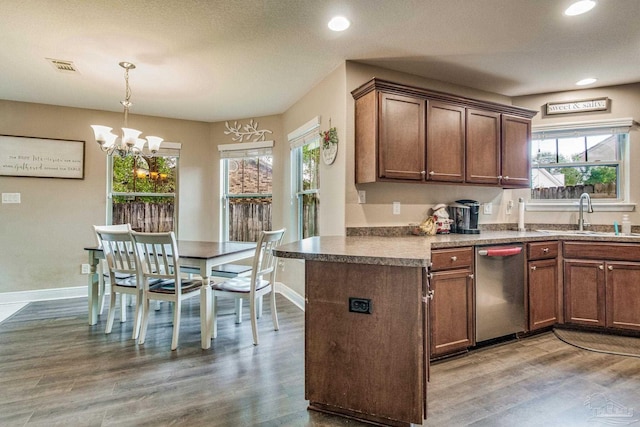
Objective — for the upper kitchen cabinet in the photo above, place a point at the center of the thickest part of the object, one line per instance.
(445, 142)
(409, 134)
(516, 157)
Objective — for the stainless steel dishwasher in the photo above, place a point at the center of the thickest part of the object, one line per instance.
(499, 291)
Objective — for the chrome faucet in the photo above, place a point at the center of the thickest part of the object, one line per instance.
(581, 221)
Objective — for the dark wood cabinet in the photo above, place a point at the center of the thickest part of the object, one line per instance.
(366, 362)
(543, 301)
(451, 309)
(445, 142)
(410, 134)
(402, 141)
(482, 147)
(602, 284)
(516, 152)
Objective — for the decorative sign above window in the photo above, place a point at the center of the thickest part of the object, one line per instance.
(583, 106)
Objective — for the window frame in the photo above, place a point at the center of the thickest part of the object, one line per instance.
(298, 186)
(615, 127)
(168, 150)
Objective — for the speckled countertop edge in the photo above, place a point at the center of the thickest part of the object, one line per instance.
(414, 251)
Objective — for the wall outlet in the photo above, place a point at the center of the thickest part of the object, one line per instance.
(10, 197)
(396, 208)
(85, 269)
(488, 208)
(362, 196)
(509, 207)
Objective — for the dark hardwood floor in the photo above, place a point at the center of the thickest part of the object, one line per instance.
(55, 370)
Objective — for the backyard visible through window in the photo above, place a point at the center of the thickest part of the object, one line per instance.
(143, 192)
(308, 188)
(247, 197)
(564, 168)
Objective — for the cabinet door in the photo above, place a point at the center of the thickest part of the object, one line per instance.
(445, 142)
(543, 293)
(516, 154)
(483, 147)
(623, 295)
(451, 311)
(584, 293)
(401, 139)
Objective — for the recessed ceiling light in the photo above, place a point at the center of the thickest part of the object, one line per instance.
(339, 23)
(585, 82)
(580, 7)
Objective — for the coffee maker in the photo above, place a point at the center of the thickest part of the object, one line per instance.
(464, 214)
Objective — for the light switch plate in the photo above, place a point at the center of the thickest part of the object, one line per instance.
(396, 208)
(362, 196)
(10, 197)
(488, 208)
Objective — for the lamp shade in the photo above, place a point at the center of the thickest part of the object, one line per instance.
(110, 140)
(130, 136)
(154, 143)
(139, 145)
(101, 133)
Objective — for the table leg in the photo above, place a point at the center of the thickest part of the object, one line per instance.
(93, 287)
(205, 313)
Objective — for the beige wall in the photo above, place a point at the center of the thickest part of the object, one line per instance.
(55, 217)
(42, 238)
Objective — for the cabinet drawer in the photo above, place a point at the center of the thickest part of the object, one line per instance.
(602, 251)
(542, 250)
(447, 259)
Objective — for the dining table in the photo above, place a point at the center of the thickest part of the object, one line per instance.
(199, 257)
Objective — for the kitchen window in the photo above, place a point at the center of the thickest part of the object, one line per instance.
(305, 171)
(247, 185)
(142, 190)
(569, 161)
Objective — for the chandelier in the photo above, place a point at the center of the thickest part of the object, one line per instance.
(130, 142)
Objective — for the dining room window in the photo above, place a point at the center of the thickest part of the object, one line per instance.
(568, 162)
(305, 171)
(142, 190)
(247, 185)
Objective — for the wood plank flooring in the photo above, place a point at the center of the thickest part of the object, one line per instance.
(55, 370)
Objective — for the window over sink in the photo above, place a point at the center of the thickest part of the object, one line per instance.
(572, 159)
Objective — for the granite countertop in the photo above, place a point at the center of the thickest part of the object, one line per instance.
(415, 251)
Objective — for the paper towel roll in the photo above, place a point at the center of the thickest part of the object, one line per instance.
(521, 214)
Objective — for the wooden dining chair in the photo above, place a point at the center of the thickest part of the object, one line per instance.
(159, 264)
(261, 282)
(121, 263)
(103, 272)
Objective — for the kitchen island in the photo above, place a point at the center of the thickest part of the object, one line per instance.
(366, 334)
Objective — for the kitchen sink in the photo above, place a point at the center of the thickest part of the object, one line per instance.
(585, 233)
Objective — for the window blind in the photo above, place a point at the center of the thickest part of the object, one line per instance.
(245, 149)
(306, 134)
(567, 130)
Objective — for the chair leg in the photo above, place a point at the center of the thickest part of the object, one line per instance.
(123, 308)
(138, 316)
(274, 311)
(112, 312)
(176, 324)
(145, 321)
(101, 288)
(259, 306)
(238, 304)
(254, 320)
(214, 312)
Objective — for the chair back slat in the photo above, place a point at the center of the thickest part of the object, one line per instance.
(264, 260)
(118, 251)
(158, 256)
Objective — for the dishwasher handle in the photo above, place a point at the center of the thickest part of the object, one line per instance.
(500, 251)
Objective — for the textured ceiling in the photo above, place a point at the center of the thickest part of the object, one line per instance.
(224, 59)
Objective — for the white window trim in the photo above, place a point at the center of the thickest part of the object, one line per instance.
(614, 126)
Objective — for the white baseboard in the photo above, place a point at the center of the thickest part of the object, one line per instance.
(291, 295)
(81, 291)
(43, 294)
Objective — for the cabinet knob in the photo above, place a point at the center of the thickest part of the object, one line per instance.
(610, 267)
(601, 267)
(533, 267)
(471, 276)
(423, 173)
(432, 173)
(454, 258)
(545, 250)
(499, 176)
(430, 294)
(506, 178)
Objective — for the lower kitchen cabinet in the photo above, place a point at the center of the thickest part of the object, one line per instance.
(451, 311)
(543, 284)
(603, 289)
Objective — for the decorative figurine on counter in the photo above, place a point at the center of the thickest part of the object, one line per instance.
(441, 218)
